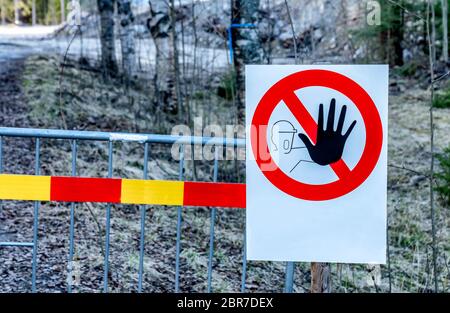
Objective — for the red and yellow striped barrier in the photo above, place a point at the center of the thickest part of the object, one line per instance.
(116, 190)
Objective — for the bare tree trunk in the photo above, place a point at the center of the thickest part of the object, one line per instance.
(53, 13)
(186, 106)
(176, 62)
(159, 26)
(320, 278)
(445, 30)
(294, 35)
(3, 13)
(16, 12)
(246, 45)
(433, 31)
(63, 11)
(107, 40)
(397, 35)
(33, 12)
(126, 33)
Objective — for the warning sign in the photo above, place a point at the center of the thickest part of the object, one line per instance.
(316, 163)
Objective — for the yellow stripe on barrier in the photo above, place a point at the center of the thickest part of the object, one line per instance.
(160, 192)
(24, 187)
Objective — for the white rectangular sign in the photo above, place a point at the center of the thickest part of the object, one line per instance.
(316, 162)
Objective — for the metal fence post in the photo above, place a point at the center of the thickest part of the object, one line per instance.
(1, 164)
(108, 223)
(388, 252)
(289, 283)
(143, 209)
(212, 224)
(244, 261)
(35, 221)
(1, 154)
(179, 220)
(72, 219)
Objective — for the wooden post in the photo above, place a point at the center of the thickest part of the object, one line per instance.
(320, 278)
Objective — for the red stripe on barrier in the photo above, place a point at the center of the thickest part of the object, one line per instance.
(214, 194)
(78, 189)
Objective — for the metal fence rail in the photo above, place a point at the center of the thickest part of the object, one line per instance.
(146, 140)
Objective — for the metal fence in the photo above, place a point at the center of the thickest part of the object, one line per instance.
(146, 140)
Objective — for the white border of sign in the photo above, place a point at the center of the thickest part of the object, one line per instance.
(348, 229)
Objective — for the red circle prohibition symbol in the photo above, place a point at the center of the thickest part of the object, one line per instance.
(284, 90)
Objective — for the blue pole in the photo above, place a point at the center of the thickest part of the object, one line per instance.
(289, 283)
(230, 37)
(230, 44)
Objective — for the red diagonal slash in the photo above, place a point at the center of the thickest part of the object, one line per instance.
(310, 126)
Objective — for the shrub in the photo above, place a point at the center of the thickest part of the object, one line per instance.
(226, 89)
(443, 177)
(408, 69)
(442, 100)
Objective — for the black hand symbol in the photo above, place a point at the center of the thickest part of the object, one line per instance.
(330, 144)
